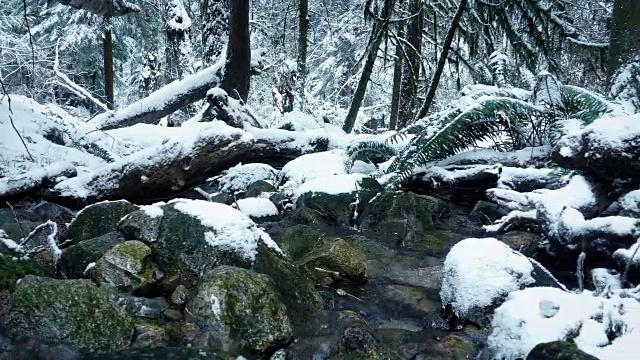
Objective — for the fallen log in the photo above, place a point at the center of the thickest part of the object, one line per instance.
(163, 101)
(198, 152)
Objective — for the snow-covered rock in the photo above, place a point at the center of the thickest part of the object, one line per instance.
(608, 147)
(257, 208)
(239, 177)
(479, 273)
(312, 166)
(536, 315)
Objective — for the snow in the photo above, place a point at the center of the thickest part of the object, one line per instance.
(180, 19)
(332, 184)
(537, 315)
(362, 167)
(239, 177)
(230, 229)
(510, 177)
(478, 272)
(153, 210)
(610, 133)
(300, 120)
(256, 207)
(157, 100)
(521, 158)
(630, 203)
(312, 166)
(566, 151)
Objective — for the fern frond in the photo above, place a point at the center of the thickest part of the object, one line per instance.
(371, 151)
(449, 136)
(584, 105)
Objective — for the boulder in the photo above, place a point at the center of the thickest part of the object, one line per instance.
(127, 266)
(295, 240)
(559, 350)
(69, 310)
(259, 187)
(242, 177)
(238, 308)
(195, 236)
(14, 267)
(487, 212)
(402, 215)
(608, 148)
(98, 219)
(76, 258)
(148, 334)
(335, 260)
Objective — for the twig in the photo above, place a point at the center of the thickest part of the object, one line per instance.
(4, 89)
(15, 216)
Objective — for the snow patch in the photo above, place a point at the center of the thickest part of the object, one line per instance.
(479, 272)
(332, 184)
(256, 207)
(312, 166)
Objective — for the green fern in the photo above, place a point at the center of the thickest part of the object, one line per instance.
(584, 105)
(371, 151)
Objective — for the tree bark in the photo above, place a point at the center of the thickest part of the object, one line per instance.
(397, 76)
(411, 72)
(215, 28)
(377, 34)
(237, 77)
(303, 32)
(446, 46)
(107, 46)
(624, 42)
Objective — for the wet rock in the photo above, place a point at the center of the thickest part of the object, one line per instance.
(559, 350)
(402, 216)
(335, 261)
(69, 310)
(154, 353)
(127, 266)
(522, 241)
(306, 216)
(76, 258)
(259, 187)
(222, 198)
(486, 212)
(35, 349)
(142, 225)
(150, 335)
(451, 347)
(296, 241)
(98, 219)
(413, 297)
(292, 283)
(140, 307)
(240, 308)
(180, 295)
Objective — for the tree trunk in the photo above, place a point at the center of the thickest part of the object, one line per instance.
(446, 46)
(411, 71)
(625, 35)
(397, 76)
(107, 46)
(377, 34)
(237, 77)
(303, 32)
(179, 50)
(215, 29)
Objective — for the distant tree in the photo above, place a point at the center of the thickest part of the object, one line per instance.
(411, 69)
(215, 28)
(624, 43)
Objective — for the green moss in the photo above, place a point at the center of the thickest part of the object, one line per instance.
(98, 219)
(74, 310)
(335, 256)
(13, 268)
(297, 240)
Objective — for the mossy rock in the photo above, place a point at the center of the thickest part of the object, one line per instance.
(402, 215)
(154, 353)
(98, 219)
(306, 216)
(559, 350)
(149, 334)
(179, 244)
(76, 258)
(296, 241)
(69, 310)
(333, 207)
(335, 260)
(239, 308)
(292, 283)
(451, 347)
(14, 267)
(127, 266)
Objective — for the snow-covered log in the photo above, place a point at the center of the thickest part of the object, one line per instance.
(195, 153)
(163, 101)
(14, 189)
(608, 148)
(103, 7)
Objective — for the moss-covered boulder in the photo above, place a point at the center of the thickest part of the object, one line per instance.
(292, 283)
(191, 237)
(98, 219)
(69, 310)
(127, 266)
(76, 258)
(333, 196)
(306, 216)
(295, 240)
(402, 216)
(559, 350)
(238, 309)
(14, 267)
(335, 260)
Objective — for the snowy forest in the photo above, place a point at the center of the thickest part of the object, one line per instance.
(320, 179)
